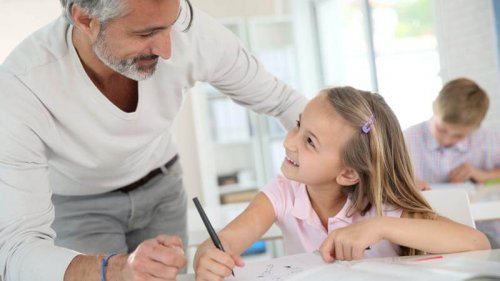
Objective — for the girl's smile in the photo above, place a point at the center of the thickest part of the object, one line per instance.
(291, 162)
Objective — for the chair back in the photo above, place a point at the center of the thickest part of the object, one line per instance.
(451, 203)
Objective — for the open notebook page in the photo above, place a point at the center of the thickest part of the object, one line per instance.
(277, 269)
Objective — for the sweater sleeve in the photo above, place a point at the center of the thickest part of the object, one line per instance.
(27, 250)
(238, 74)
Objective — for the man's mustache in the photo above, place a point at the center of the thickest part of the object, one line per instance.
(145, 57)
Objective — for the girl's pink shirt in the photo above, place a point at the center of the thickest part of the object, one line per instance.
(301, 227)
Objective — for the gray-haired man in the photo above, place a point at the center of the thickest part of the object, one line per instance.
(86, 149)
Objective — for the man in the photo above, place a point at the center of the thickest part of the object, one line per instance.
(85, 142)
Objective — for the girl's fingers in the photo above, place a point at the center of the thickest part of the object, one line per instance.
(327, 249)
(219, 270)
(206, 275)
(217, 263)
(238, 261)
(339, 250)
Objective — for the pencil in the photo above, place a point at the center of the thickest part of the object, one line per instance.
(208, 225)
(429, 258)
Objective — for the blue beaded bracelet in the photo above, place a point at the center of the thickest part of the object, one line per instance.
(104, 264)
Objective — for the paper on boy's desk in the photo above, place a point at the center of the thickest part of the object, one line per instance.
(277, 269)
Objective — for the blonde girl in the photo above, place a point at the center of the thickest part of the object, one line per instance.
(347, 189)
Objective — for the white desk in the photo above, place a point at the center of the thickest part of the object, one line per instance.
(459, 266)
(484, 200)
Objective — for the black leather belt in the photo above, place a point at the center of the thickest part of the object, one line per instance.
(142, 181)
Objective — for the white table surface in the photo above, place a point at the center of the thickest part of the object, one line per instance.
(477, 257)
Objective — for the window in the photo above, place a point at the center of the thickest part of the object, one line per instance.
(384, 46)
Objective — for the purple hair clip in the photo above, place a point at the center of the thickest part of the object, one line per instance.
(367, 126)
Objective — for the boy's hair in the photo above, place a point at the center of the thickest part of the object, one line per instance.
(377, 152)
(461, 102)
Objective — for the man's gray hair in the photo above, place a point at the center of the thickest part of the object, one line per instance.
(103, 10)
(106, 10)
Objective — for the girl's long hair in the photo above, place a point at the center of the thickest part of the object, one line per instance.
(379, 156)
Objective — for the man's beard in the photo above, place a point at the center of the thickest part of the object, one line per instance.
(126, 67)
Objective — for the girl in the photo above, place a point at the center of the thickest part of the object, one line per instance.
(347, 189)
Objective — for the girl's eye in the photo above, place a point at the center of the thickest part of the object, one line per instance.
(298, 123)
(310, 142)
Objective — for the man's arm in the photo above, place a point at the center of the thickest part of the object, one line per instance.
(27, 250)
(26, 214)
(159, 258)
(239, 75)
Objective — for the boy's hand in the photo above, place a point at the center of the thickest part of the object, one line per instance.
(465, 172)
(214, 264)
(350, 242)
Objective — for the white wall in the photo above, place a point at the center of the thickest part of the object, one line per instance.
(468, 47)
(19, 18)
(243, 8)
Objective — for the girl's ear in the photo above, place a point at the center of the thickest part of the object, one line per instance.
(348, 177)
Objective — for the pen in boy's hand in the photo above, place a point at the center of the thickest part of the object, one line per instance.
(208, 225)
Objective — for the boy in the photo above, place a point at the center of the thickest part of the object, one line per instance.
(451, 147)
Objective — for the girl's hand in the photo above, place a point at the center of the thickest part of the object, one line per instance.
(214, 264)
(350, 242)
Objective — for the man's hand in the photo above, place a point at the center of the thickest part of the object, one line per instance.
(155, 259)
